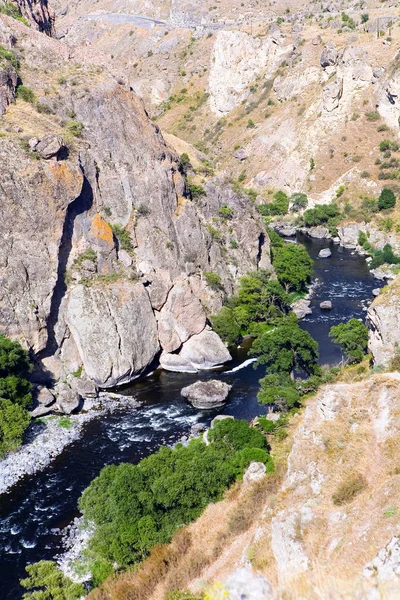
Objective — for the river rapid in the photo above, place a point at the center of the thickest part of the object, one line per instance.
(33, 512)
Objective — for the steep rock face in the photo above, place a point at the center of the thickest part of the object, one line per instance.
(35, 200)
(65, 276)
(384, 322)
(8, 84)
(39, 14)
(236, 60)
(114, 329)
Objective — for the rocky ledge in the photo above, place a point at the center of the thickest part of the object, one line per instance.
(205, 395)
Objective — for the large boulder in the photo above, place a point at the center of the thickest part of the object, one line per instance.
(200, 353)
(254, 472)
(206, 395)
(115, 330)
(49, 146)
(243, 584)
(68, 400)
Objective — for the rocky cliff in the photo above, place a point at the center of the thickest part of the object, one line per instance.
(103, 250)
(384, 324)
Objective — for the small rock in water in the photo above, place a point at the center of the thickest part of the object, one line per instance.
(207, 394)
(301, 308)
(325, 253)
(197, 428)
(376, 292)
(326, 305)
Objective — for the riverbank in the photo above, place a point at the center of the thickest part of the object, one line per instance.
(48, 437)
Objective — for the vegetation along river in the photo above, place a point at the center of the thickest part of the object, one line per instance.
(40, 504)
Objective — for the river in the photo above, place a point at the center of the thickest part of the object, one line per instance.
(47, 501)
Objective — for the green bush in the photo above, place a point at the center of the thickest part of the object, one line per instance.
(47, 582)
(8, 55)
(213, 280)
(387, 199)
(123, 236)
(12, 10)
(196, 191)
(280, 205)
(13, 422)
(298, 201)
(280, 390)
(26, 94)
(352, 337)
(225, 212)
(75, 128)
(321, 215)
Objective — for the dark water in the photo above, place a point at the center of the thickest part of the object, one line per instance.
(48, 500)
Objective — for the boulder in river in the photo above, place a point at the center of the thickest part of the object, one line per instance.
(319, 232)
(326, 305)
(325, 253)
(205, 395)
(301, 308)
(376, 292)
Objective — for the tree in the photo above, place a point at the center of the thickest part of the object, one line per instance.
(13, 422)
(53, 584)
(280, 390)
(293, 266)
(286, 348)
(353, 337)
(298, 201)
(387, 199)
(135, 507)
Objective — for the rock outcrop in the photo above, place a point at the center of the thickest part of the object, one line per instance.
(383, 318)
(39, 14)
(104, 251)
(114, 329)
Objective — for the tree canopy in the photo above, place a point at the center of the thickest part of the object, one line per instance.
(46, 582)
(135, 507)
(353, 337)
(287, 348)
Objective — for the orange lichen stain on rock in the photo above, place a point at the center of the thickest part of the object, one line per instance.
(101, 229)
(181, 205)
(63, 175)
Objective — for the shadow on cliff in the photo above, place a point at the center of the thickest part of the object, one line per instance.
(80, 205)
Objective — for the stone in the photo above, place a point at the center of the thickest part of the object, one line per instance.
(205, 351)
(285, 229)
(319, 232)
(50, 146)
(316, 41)
(376, 292)
(326, 305)
(301, 308)
(197, 429)
(114, 329)
(243, 584)
(329, 55)
(33, 142)
(206, 395)
(254, 472)
(324, 253)
(241, 154)
(41, 411)
(386, 565)
(176, 364)
(68, 400)
(45, 397)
